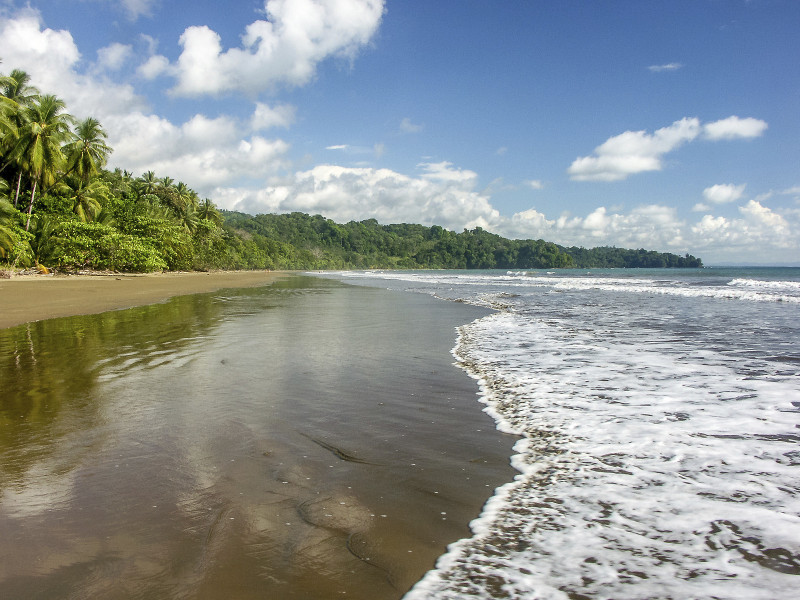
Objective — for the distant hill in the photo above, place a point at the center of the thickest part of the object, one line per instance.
(301, 241)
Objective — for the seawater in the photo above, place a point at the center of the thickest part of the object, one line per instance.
(658, 412)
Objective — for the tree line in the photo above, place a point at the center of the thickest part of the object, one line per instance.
(61, 208)
(368, 244)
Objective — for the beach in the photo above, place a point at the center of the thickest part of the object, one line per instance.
(298, 438)
(36, 297)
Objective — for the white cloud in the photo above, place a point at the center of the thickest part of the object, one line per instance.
(406, 126)
(444, 171)
(114, 56)
(634, 152)
(723, 193)
(758, 232)
(733, 127)
(344, 194)
(205, 153)
(285, 49)
(337, 147)
(649, 226)
(137, 8)
(534, 184)
(673, 66)
(266, 117)
(154, 66)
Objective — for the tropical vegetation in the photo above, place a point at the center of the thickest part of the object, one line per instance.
(61, 208)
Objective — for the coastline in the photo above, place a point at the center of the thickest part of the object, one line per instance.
(37, 297)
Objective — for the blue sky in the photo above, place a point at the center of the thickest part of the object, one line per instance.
(665, 125)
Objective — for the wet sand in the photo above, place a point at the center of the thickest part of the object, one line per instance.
(36, 297)
(302, 440)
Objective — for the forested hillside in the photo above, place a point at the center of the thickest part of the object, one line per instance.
(368, 244)
(60, 208)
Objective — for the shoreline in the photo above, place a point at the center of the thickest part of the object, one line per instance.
(30, 298)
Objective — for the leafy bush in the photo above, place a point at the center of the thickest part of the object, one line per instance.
(97, 246)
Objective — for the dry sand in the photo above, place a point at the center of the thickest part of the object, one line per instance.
(36, 297)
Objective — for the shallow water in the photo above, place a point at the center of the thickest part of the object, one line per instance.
(305, 440)
(659, 412)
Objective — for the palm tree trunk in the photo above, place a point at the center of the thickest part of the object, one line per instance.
(30, 206)
(19, 183)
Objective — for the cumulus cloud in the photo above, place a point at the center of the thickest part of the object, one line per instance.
(114, 56)
(153, 67)
(673, 66)
(444, 171)
(266, 117)
(723, 193)
(345, 193)
(284, 49)
(634, 152)
(733, 127)
(758, 230)
(651, 226)
(534, 184)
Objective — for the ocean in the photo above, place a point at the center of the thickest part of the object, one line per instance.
(658, 412)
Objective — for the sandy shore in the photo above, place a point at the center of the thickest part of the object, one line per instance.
(37, 297)
(304, 439)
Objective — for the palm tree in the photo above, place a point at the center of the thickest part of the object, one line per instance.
(15, 93)
(16, 87)
(88, 198)
(188, 218)
(186, 195)
(88, 153)
(166, 182)
(149, 183)
(209, 212)
(44, 244)
(38, 150)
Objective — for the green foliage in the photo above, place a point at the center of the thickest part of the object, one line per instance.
(320, 243)
(167, 238)
(97, 246)
(619, 258)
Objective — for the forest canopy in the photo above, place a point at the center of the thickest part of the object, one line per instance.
(62, 209)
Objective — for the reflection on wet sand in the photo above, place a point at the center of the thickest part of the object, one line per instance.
(305, 440)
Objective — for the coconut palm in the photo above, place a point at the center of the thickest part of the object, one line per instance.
(15, 93)
(206, 210)
(44, 243)
(188, 218)
(45, 127)
(87, 198)
(186, 195)
(166, 182)
(149, 183)
(16, 87)
(88, 153)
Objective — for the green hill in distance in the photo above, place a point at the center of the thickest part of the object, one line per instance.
(302, 241)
